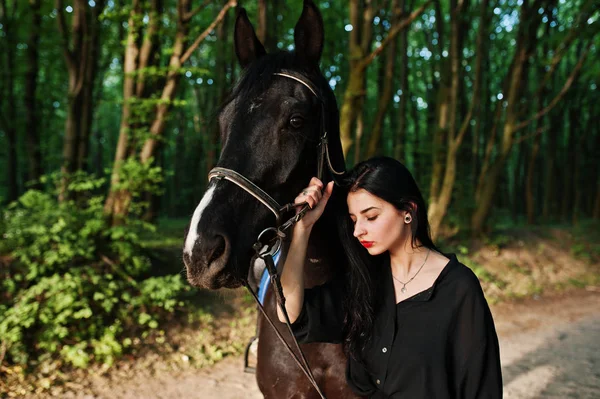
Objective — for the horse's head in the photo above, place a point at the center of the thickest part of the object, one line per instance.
(270, 130)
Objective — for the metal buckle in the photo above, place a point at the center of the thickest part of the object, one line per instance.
(268, 248)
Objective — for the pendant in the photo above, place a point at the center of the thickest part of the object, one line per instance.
(403, 289)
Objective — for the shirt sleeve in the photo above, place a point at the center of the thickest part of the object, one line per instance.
(322, 315)
(477, 353)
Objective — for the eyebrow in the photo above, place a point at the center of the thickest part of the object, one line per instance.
(365, 210)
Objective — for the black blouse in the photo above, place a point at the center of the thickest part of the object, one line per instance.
(439, 343)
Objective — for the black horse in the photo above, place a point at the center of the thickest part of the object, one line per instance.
(270, 130)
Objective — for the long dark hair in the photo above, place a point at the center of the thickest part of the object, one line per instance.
(391, 181)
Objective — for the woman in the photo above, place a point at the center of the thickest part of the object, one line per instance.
(414, 322)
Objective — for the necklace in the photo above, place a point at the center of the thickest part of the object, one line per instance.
(403, 289)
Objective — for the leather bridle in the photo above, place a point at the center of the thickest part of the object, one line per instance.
(266, 250)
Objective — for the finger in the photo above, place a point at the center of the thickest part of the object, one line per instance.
(316, 182)
(302, 197)
(311, 202)
(328, 190)
(313, 198)
(326, 194)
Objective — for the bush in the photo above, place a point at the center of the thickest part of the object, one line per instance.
(74, 288)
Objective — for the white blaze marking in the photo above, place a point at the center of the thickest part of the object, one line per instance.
(193, 232)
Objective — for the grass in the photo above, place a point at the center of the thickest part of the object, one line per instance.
(169, 234)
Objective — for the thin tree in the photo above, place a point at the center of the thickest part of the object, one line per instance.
(119, 199)
(360, 57)
(387, 88)
(448, 134)
(80, 49)
(8, 109)
(529, 22)
(34, 153)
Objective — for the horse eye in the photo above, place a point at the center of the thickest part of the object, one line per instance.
(296, 122)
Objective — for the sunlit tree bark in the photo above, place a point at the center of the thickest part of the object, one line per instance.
(360, 57)
(119, 199)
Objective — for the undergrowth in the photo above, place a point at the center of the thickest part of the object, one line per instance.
(75, 289)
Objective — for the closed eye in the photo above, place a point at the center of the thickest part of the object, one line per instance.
(372, 218)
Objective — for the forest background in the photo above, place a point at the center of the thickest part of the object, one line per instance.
(108, 129)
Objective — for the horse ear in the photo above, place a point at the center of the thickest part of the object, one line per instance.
(247, 46)
(308, 33)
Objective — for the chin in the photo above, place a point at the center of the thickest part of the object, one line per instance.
(373, 251)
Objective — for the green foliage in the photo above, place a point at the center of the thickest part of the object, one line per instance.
(76, 288)
(136, 178)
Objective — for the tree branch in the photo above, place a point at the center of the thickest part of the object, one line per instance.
(146, 50)
(393, 33)
(203, 35)
(189, 15)
(539, 131)
(565, 44)
(560, 95)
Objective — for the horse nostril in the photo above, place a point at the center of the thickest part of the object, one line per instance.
(217, 246)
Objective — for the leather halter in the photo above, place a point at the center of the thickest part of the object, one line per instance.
(258, 193)
(263, 250)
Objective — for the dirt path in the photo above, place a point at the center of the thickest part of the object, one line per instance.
(549, 348)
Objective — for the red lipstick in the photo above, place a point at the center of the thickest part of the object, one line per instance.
(367, 244)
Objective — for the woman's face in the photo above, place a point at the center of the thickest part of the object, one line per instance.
(378, 225)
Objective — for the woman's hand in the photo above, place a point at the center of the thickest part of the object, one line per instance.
(316, 198)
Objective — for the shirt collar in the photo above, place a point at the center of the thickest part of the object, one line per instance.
(422, 296)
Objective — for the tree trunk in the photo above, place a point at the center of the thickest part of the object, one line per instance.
(530, 203)
(34, 153)
(442, 104)
(387, 88)
(569, 186)
(401, 134)
(91, 71)
(119, 199)
(549, 196)
(80, 49)
(360, 59)
(444, 175)
(526, 38)
(261, 31)
(218, 97)
(596, 210)
(518, 181)
(578, 181)
(540, 102)
(486, 198)
(10, 117)
(115, 201)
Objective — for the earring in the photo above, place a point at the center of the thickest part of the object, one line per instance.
(407, 219)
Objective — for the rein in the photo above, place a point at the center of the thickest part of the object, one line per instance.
(265, 251)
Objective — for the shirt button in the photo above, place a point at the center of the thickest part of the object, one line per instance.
(378, 382)
(384, 350)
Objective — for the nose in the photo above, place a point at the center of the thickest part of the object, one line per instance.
(209, 253)
(211, 247)
(358, 230)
